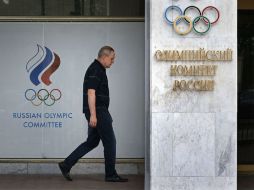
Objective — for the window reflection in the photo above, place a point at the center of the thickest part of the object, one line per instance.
(119, 8)
(245, 87)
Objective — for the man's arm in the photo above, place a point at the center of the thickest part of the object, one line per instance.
(91, 103)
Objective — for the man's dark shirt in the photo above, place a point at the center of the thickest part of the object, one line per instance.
(96, 78)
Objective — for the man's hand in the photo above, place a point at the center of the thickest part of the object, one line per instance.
(93, 121)
(91, 103)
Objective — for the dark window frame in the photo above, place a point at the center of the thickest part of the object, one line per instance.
(77, 13)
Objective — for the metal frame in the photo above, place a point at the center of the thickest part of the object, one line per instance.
(69, 19)
(245, 168)
(147, 96)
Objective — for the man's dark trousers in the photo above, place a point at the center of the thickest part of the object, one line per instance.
(103, 131)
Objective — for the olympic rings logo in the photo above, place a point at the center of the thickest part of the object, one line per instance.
(192, 22)
(43, 95)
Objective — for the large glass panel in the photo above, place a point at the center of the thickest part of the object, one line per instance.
(118, 8)
(20, 7)
(246, 87)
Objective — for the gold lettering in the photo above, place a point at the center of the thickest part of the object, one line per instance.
(189, 83)
(203, 85)
(203, 54)
(176, 85)
(180, 70)
(179, 56)
(183, 85)
(194, 55)
(229, 55)
(223, 55)
(173, 70)
(158, 55)
(197, 55)
(188, 71)
(197, 85)
(185, 55)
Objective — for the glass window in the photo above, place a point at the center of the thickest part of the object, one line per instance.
(245, 86)
(112, 8)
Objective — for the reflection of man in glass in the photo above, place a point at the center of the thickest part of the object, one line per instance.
(95, 108)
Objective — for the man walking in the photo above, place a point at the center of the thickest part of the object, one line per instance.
(95, 107)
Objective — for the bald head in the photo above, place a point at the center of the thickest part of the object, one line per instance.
(106, 56)
(105, 51)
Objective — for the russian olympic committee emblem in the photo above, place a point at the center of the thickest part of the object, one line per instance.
(40, 67)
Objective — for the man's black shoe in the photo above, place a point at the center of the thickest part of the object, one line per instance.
(65, 172)
(116, 178)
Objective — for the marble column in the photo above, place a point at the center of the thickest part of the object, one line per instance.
(193, 140)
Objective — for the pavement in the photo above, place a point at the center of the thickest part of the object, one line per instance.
(55, 182)
(88, 182)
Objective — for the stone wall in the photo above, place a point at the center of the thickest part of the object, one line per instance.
(193, 133)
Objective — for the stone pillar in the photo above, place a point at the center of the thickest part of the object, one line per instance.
(193, 140)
